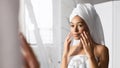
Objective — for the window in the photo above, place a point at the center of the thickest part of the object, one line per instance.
(43, 12)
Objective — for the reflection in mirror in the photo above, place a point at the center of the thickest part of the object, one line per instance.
(46, 26)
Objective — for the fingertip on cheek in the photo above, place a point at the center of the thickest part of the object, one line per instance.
(81, 39)
(81, 34)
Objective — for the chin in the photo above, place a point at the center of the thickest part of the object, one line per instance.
(77, 38)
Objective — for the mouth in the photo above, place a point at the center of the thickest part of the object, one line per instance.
(76, 35)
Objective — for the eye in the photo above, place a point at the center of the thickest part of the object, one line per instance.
(80, 25)
(71, 25)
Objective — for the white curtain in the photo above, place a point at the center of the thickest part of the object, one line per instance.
(49, 55)
(43, 55)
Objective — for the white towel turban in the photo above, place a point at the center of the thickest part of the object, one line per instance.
(88, 14)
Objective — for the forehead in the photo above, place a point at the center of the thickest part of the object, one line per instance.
(77, 19)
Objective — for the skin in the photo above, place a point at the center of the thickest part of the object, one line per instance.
(80, 31)
(30, 60)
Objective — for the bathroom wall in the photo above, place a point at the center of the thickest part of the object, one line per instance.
(116, 34)
(10, 56)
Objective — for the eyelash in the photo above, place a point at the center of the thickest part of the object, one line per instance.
(80, 25)
(72, 25)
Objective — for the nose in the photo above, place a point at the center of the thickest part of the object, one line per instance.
(76, 29)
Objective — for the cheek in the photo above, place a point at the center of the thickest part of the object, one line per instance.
(71, 30)
(81, 29)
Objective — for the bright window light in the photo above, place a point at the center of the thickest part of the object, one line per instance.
(43, 12)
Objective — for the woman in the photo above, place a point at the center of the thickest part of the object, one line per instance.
(86, 28)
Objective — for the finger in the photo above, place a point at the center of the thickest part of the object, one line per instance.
(86, 36)
(82, 41)
(68, 36)
(83, 44)
(90, 43)
(83, 38)
(89, 37)
(69, 41)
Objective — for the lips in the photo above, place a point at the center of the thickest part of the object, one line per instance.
(76, 35)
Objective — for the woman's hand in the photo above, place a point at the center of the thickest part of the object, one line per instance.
(67, 45)
(87, 44)
(64, 63)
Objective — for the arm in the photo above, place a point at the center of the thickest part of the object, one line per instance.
(28, 54)
(104, 57)
(64, 63)
(93, 62)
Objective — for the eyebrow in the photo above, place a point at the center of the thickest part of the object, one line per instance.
(77, 22)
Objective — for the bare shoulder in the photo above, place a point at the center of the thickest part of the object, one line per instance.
(102, 50)
(103, 56)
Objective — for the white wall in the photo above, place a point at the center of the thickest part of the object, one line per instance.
(116, 34)
(10, 56)
(106, 15)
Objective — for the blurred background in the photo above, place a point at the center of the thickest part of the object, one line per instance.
(45, 26)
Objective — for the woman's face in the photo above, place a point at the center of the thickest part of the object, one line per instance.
(77, 26)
